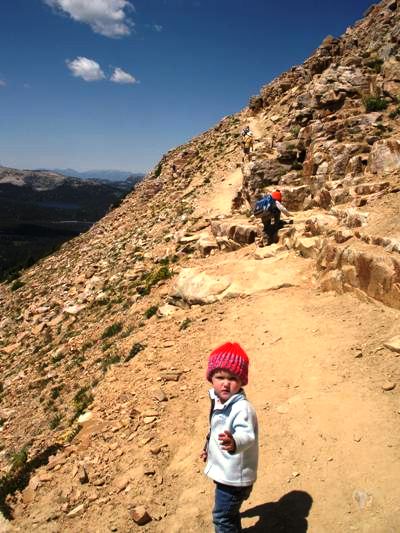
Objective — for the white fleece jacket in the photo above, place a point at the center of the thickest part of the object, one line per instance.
(238, 416)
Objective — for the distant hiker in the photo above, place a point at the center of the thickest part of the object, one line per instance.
(267, 208)
(247, 141)
(231, 449)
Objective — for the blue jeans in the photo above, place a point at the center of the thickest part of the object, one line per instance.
(226, 515)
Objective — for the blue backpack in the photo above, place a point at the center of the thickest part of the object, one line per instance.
(265, 205)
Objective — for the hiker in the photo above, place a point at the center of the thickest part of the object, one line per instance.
(247, 141)
(231, 449)
(267, 208)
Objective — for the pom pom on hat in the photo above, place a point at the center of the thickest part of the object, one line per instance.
(231, 357)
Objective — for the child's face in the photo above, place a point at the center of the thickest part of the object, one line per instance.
(225, 384)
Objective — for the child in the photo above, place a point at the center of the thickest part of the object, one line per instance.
(232, 448)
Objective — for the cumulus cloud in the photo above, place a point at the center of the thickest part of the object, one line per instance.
(158, 27)
(107, 17)
(120, 76)
(85, 68)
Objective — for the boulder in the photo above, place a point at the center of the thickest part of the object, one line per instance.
(238, 231)
(206, 245)
(197, 287)
(384, 156)
(307, 246)
(321, 224)
(393, 344)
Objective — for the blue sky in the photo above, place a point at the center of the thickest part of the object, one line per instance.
(115, 83)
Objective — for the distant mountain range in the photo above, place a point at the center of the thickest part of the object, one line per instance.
(109, 175)
(42, 209)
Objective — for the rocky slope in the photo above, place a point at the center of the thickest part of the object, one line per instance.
(103, 344)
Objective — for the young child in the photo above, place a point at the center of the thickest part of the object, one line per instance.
(231, 450)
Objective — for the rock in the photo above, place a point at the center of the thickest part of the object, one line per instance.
(239, 231)
(155, 450)
(196, 287)
(264, 253)
(307, 246)
(149, 419)
(121, 482)
(393, 344)
(388, 385)
(5, 525)
(76, 510)
(73, 309)
(140, 515)
(160, 395)
(171, 376)
(384, 156)
(85, 417)
(166, 310)
(362, 498)
(82, 475)
(206, 245)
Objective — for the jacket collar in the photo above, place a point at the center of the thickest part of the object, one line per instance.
(241, 395)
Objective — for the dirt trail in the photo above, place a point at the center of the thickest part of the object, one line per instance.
(326, 426)
(219, 199)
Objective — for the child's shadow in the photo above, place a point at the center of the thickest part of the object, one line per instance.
(287, 515)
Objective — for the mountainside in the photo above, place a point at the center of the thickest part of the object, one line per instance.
(103, 344)
(41, 210)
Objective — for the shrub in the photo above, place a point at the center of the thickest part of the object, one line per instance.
(112, 330)
(58, 357)
(136, 348)
(55, 421)
(16, 285)
(151, 311)
(374, 103)
(296, 165)
(295, 130)
(18, 459)
(158, 275)
(108, 361)
(158, 170)
(375, 64)
(55, 392)
(82, 399)
(185, 324)
(395, 113)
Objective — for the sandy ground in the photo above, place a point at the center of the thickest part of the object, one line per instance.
(329, 451)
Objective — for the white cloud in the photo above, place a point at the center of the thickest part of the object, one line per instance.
(158, 27)
(120, 76)
(85, 68)
(107, 17)
(2, 83)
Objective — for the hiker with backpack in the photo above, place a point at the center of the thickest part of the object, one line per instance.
(231, 449)
(269, 208)
(247, 141)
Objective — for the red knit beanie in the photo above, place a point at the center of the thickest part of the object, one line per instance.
(231, 357)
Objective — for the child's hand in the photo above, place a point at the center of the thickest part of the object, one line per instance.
(204, 455)
(227, 441)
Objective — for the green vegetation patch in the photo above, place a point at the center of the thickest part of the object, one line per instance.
(82, 399)
(374, 103)
(158, 275)
(136, 348)
(17, 285)
(112, 330)
(151, 311)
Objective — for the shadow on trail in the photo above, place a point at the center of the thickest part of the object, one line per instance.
(287, 515)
